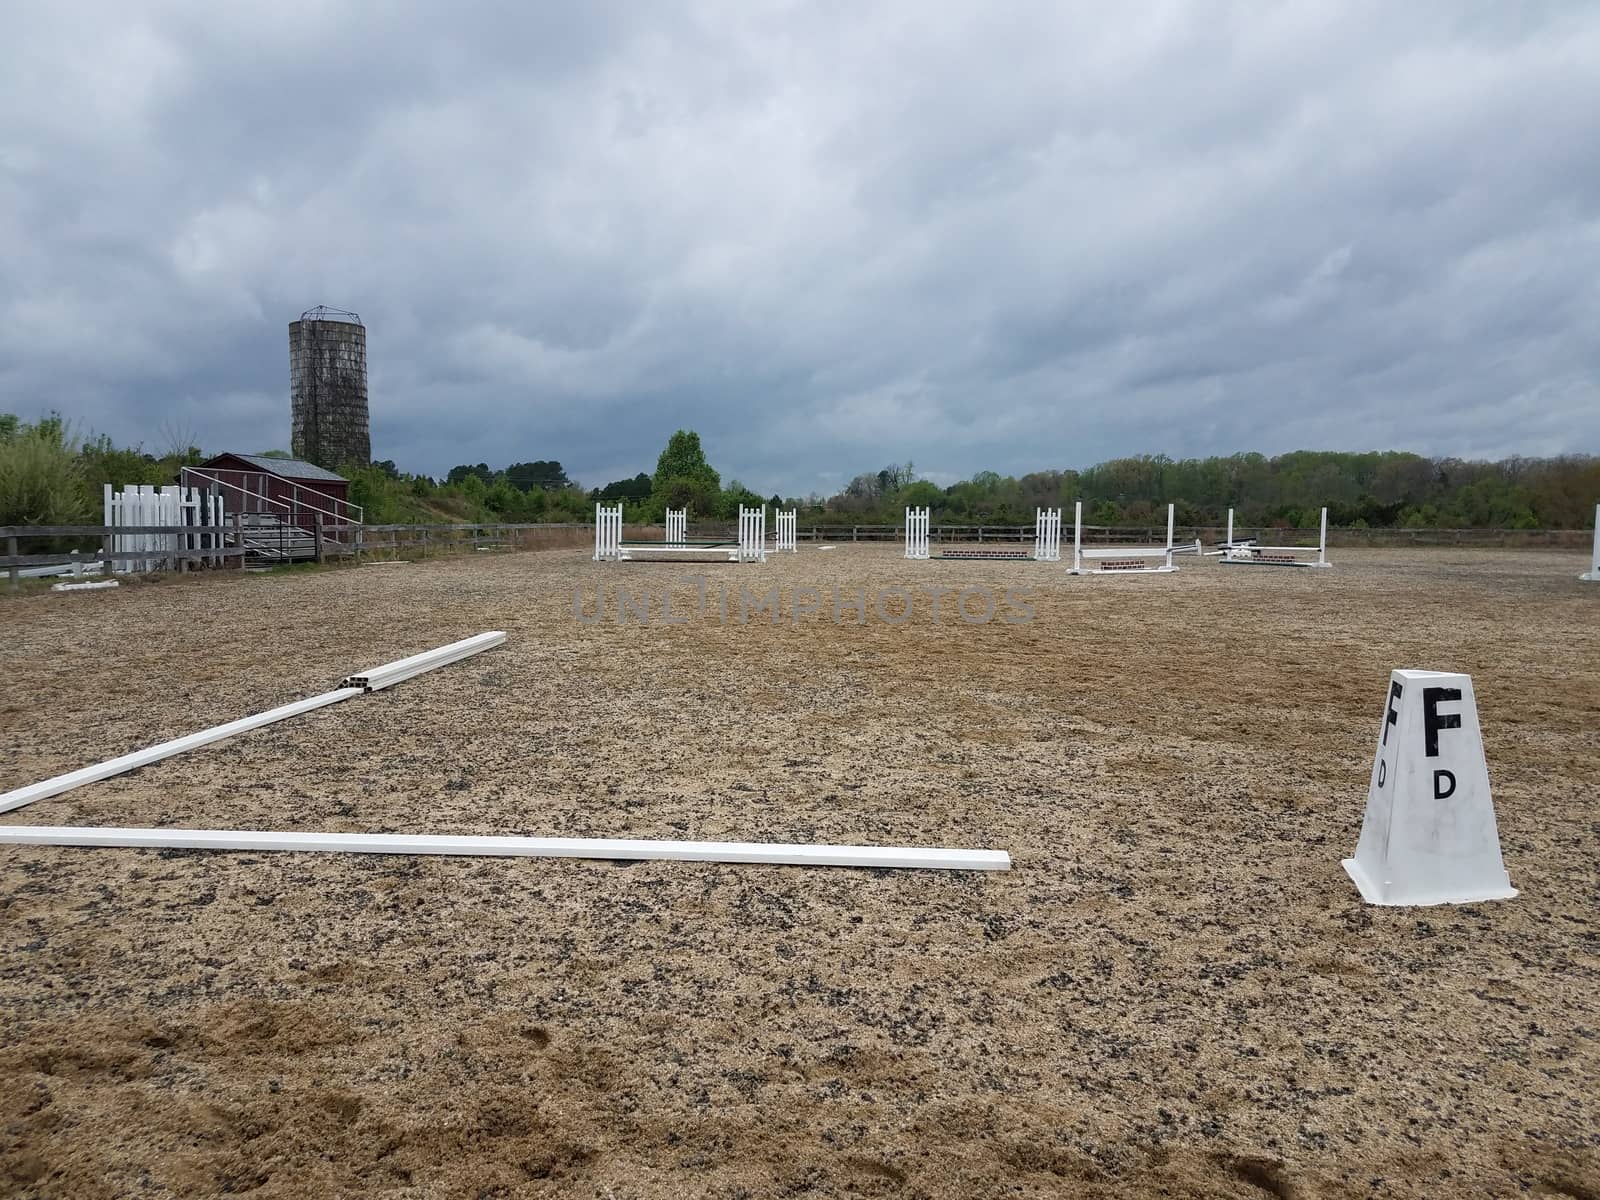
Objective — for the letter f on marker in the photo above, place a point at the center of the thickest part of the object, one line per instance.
(1393, 714)
(1433, 720)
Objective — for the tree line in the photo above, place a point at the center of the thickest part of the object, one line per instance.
(50, 476)
(1379, 489)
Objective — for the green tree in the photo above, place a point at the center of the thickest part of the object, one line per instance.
(41, 475)
(684, 479)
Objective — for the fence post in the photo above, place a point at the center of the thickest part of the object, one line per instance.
(855, 532)
(316, 535)
(11, 549)
(238, 535)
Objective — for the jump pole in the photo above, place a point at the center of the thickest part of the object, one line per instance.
(371, 680)
(623, 849)
(18, 797)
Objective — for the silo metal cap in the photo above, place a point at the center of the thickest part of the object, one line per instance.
(323, 313)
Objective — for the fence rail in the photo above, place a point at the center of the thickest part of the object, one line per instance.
(427, 539)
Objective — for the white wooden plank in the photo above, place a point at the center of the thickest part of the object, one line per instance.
(139, 758)
(773, 853)
(376, 678)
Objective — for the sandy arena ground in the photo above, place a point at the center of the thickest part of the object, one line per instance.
(1176, 991)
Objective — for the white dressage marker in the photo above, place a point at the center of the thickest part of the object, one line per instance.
(1594, 564)
(1251, 553)
(625, 849)
(785, 527)
(1127, 560)
(677, 525)
(1429, 834)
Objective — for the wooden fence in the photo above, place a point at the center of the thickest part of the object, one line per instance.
(95, 544)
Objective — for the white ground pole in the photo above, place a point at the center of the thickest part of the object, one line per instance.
(917, 532)
(375, 679)
(1594, 564)
(1047, 534)
(753, 534)
(677, 526)
(785, 523)
(626, 849)
(607, 532)
(139, 758)
(367, 681)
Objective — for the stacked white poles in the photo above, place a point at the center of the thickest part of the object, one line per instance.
(677, 526)
(144, 504)
(1047, 534)
(786, 529)
(917, 532)
(607, 532)
(753, 534)
(1594, 563)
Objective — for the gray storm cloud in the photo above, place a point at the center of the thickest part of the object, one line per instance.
(827, 236)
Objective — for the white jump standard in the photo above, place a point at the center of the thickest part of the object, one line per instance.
(1594, 560)
(1125, 560)
(784, 524)
(1046, 540)
(750, 546)
(677, 526)
(916, 533)
(1251, 553)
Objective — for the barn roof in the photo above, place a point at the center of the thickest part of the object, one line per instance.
(286, 468)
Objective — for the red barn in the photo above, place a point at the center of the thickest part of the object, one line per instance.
(294, 492)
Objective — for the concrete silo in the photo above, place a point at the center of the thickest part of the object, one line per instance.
(328, 389)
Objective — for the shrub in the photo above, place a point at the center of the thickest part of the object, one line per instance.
(41, 476)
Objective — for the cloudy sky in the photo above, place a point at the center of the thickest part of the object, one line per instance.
(827, 235)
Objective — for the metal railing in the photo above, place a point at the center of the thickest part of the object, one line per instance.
(339, 514)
